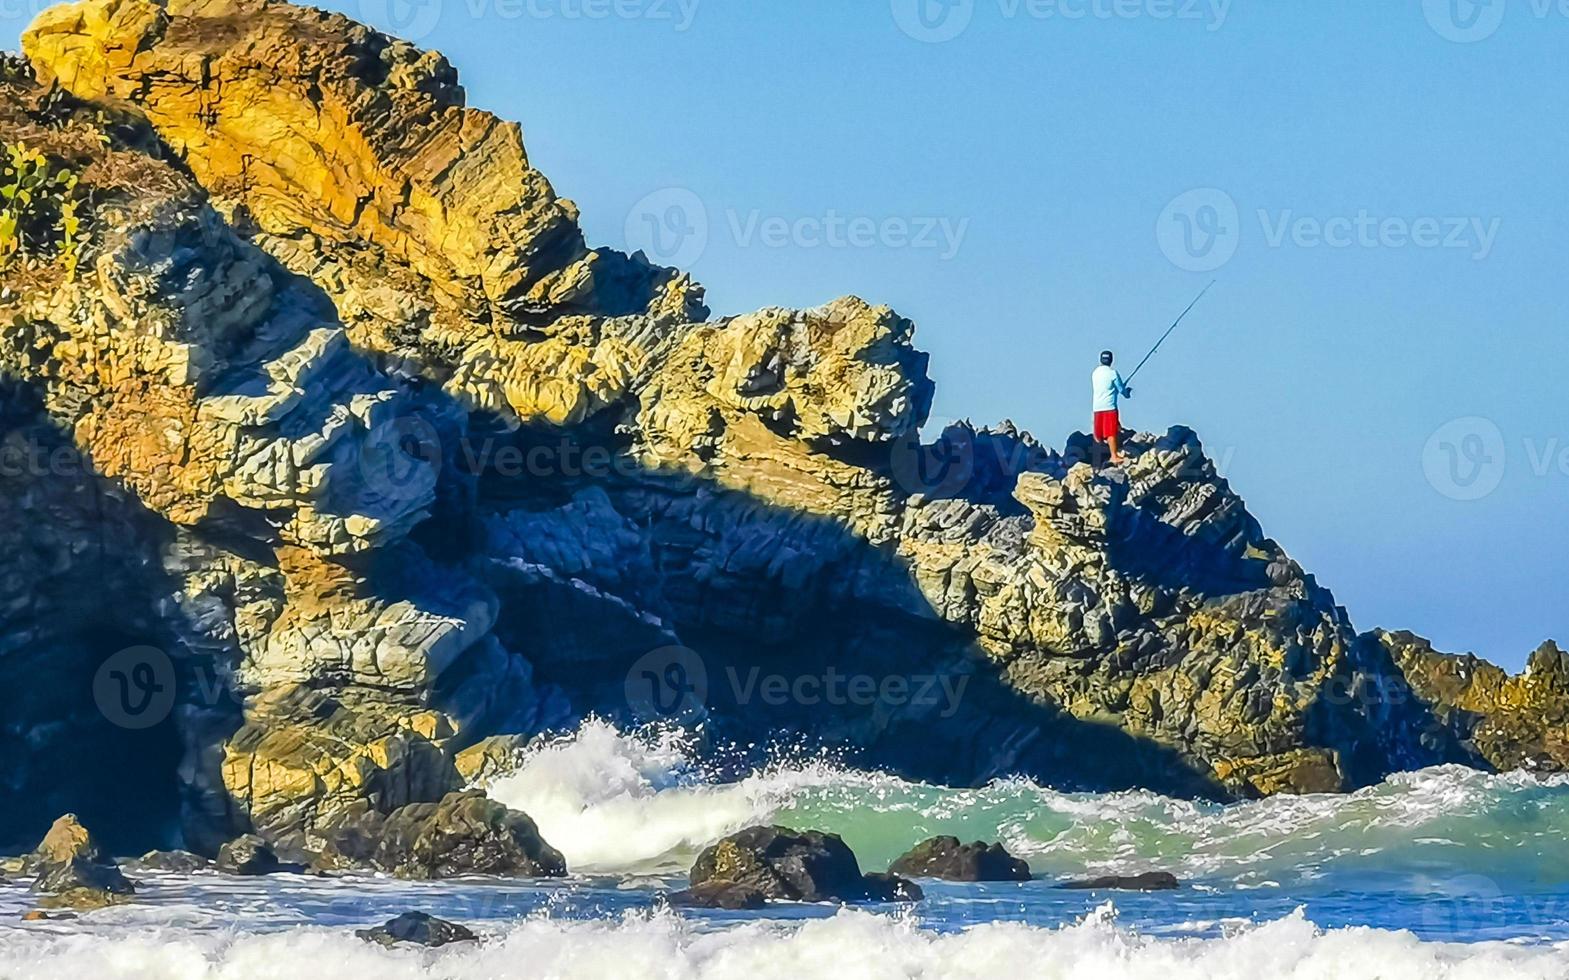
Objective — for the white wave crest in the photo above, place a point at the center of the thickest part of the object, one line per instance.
(613, 802)
(637, 803)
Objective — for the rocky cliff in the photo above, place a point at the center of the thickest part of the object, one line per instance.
(321, 397)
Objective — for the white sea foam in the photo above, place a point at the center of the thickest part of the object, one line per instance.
(850, 945)
(612, 802)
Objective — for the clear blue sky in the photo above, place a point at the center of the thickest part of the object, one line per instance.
(1396, 259)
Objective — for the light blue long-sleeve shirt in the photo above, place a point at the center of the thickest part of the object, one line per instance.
(1108, 387)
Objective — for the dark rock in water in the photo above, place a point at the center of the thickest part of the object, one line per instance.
(885, 886)
(718, 894)
(250, 855)
(82, 884)
(946, 858)
(417, 927)
(467, 833)
(797, 866)
(1149, 881)
(180, 862)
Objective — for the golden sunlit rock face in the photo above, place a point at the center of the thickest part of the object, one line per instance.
(405, 472)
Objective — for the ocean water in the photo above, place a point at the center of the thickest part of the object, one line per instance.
(1439, 873)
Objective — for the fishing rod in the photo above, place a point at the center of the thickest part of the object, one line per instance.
(1169, 330)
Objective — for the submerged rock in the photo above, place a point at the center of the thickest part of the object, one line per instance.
(797, 866)
(1148, 881)
(250, 855)
(885, 886)
(179, 862)
(944, 857)
(418, 928)
(718, 894)
(467, 833)
(40, 915)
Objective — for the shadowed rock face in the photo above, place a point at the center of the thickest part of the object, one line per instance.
(410, 467)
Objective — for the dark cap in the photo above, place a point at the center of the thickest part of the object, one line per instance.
(1105, 357)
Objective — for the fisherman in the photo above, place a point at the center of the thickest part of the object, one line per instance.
(1109, 387)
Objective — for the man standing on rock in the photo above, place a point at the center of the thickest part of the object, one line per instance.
(1108, 388)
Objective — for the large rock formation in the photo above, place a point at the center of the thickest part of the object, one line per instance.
(391, 469)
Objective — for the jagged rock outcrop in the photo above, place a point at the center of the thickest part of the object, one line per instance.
(394, 471)
(67, 840)
(72, 870)
(357, 163)
(1500, 721)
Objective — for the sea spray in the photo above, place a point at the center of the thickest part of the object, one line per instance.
(640, 802)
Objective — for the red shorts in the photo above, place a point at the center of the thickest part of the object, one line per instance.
(1107, 425)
